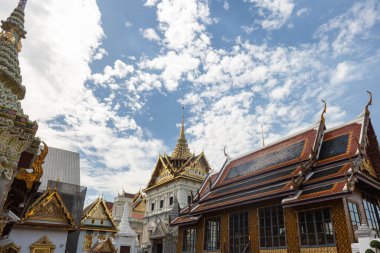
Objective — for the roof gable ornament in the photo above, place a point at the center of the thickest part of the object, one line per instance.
(323, 120)
(369, 103)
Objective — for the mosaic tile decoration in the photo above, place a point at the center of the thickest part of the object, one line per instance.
(334, 147)
(285, 154)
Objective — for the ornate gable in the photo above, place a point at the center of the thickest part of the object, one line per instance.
(103, 246)
(42, 245)
(49, 207)
(98, 211)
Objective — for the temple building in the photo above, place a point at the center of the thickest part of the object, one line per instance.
(18, 144)
(43, 228)
(174, 182)
(308, 192)
(96, 225)
(136, 206)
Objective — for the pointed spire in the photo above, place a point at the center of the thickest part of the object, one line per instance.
(12, 31)
(181, 150)
(22, 4)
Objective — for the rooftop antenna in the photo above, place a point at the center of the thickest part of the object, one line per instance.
(262, 135)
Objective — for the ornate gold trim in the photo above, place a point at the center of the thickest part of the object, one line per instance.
(43, 245)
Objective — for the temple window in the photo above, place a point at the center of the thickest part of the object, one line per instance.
(171, 201)
(161, 203)
(212, 234)
(316, 228)
(152, 207)
(272, 228)
(189, 240)
(372, 211)
(188, 199)
(354, 215)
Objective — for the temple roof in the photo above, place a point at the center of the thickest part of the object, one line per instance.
(310, 166)
(180, 164)
(50, 210)
(98, 210)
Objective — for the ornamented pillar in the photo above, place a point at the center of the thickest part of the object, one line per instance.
(18, 144)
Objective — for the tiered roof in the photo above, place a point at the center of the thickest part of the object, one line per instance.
(313, 165)
(181, 164)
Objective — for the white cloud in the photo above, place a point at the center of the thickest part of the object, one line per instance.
(226, 5)
(150, 34)
(357, 21)
(345, 72)
(302, 12)
(248, 29)
(100, 53)
(128, 24)
(274, 13)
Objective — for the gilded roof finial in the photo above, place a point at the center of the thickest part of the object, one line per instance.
(181, 150)
(324, 111)
(182, 133)
(369, 102)
(22, 4)
(262, 135)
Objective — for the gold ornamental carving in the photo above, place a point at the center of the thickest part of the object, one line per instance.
(43, 245)
(31, 178)
(87, 243)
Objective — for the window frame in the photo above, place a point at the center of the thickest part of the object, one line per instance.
(277, 215)
(299, 223)
(152, 206)
(161, 203)
(216, 240)
(352, 211)
(193, 243)
(374, 212)
(171, 200)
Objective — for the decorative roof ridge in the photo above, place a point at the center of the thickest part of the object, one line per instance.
(48, 194)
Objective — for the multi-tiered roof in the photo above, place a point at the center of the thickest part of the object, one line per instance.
(314, 165)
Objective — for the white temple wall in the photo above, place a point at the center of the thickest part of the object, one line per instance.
(25, 237)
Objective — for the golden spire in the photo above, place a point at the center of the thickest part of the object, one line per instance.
(181, 150)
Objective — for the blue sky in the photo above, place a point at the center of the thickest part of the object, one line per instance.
(109, 78)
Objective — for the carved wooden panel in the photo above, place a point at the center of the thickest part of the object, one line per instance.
(180, 239)
(340, 226)
(200, 235)
(253, 230)
(321, 250)
(273, 251)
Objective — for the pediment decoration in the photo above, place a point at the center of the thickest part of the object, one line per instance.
(43, 245)
(103, 246)
(98, 210)
(10, 248)
(49, 207)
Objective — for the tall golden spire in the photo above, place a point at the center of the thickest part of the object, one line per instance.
(181, 150)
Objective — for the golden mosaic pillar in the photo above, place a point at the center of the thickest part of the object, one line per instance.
(254, 230)
(291, 230)
(342, 238)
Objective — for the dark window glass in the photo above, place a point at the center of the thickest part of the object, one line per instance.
(354, 215)
(171, 200)
(271, 227)
(316, 228)
(212, 234)
(372, 211)
(188, 199)
(161, 203)
(238, 233)
(189, 240)
(152, 207)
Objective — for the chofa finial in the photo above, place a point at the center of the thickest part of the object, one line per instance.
(22, 4)
(369, 102)
(324, 111)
